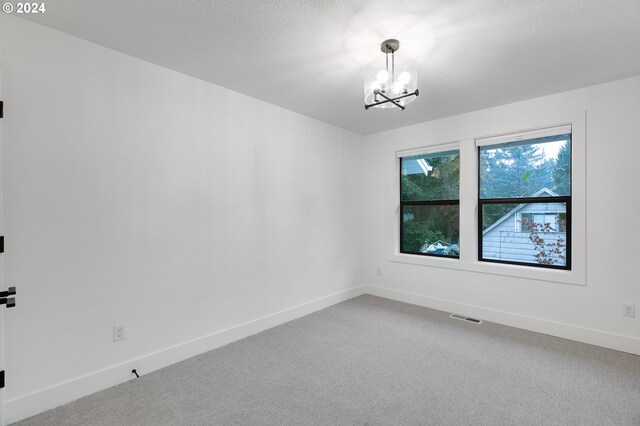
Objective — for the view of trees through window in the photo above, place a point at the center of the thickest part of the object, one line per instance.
(430, 204)
(524, 202)
(525, 193)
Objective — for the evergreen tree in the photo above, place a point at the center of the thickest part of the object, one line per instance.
(442, 183)
(515, 171)
(561, 173)
(416, 233)
(424, 224)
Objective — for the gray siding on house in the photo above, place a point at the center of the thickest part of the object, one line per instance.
(504, 242)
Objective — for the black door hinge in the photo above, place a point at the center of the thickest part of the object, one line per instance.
(1, 379)
(9, 301)
(1, 109)
(1, 244)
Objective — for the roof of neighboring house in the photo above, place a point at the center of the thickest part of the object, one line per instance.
(546, 192)
(416, 166)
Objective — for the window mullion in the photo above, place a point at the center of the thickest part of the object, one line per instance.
(430, 203)
(468, 200)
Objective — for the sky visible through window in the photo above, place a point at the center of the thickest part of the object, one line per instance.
(548, 150)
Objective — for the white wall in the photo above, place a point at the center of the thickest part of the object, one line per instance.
(591, 312)
(137, 195)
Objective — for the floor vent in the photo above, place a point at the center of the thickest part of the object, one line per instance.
(463, 318)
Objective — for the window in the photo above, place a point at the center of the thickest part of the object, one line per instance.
(524, 210)
(429, 204)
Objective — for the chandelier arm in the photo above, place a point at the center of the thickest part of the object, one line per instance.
(393, 101)
(367, 106)
(416, 93)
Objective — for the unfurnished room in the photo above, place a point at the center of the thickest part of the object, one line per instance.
(319, 212)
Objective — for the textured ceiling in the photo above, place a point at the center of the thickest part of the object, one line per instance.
(308, 55)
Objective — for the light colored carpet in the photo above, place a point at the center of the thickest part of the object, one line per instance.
(372, 361)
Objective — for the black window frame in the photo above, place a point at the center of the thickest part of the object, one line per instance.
(426, 203)
(528, 200)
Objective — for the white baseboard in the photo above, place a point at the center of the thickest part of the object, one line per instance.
(28, 405)
(568, 331)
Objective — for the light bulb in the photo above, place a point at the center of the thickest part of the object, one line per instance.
(397, 87)
(382, 76)
(375, 85)
(404, 77)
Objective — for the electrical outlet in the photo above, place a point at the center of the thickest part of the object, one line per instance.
(118, 332)
(629, 310)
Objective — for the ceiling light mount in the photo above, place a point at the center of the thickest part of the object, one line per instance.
(390, 46)
(390, 81)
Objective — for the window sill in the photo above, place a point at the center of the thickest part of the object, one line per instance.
(532, 273)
